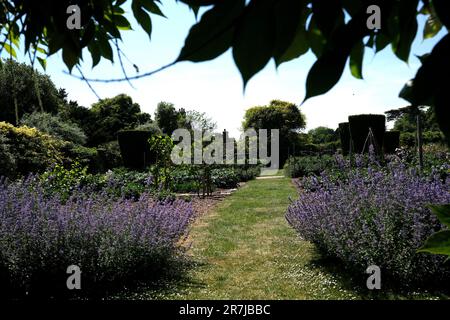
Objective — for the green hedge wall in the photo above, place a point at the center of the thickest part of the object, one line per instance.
(359, 129)
(344, 134)
(391, 141)
(135, 149)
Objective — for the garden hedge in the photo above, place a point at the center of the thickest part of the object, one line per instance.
(359, 129)
(135, 148)
(344, 134)
(391, 141)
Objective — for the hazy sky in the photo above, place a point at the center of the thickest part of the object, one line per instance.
(216, 88)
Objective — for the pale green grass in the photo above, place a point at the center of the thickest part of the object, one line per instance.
(245, 249)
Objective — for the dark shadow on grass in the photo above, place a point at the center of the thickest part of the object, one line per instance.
(174, 281)
(390, 288)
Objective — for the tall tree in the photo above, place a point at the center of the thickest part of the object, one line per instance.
(169, 118)
(24, 90)
(114, 114)
(281, 115)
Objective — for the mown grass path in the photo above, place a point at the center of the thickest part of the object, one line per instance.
(245, 249)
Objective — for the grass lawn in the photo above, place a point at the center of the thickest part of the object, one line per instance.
(245, 249)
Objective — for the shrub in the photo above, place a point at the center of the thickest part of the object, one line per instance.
(308, 165)
(115, 243)
(55, 126)
(63, 182)
(246, 173)
(391, 141)
(359, 129)
(108, 156)
(135, 149)
(28, 150)
(376, 216)
(224, 178)
(344, 134)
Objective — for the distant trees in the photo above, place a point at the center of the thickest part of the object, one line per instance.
(114, 114)
(25, 90)
(281, 115)
(55, 126)
(168, 118)
(405, 121)
(322, 135)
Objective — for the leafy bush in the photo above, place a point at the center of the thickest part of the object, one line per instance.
(27, 150)
(108, 156)
(63, 182)
(308, 165)
(246, 173)
(224, 178)
(125, 183)
(135, 149)
(391, 141)
(55, 126)
(376, 216)
(439, 242)
(344, 134)
(115, 243)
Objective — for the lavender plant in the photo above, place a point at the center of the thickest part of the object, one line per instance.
(376, 215)
(113, 242)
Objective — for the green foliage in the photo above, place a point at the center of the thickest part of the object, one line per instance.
(322, 135)
(359, 130)
(62, 181)
(112, 115)
(27, 150)
(135, 149)
(296, 167)
(161, 146)
(55, 126)
(281, 115)
(439, 242)
(108, 156)
(168, 118)
(22, 85)
(149, 126)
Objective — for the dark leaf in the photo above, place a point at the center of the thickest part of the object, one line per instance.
(70, 57)
(152, 7)
(315, 38)
(324, 74)
(442, 212)
(254, 38)
(95, 53)
(327, 15)
(356, 60)
(142, 17)
(437, 243)
(42, 62)
(288, 15)
(441, 9)
(213, 34)
(407, 20)
(432, 27)
(381, 41)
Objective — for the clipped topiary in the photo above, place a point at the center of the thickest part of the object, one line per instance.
(135, 149)
(344, 134)
(391, 141)
(359, 131)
